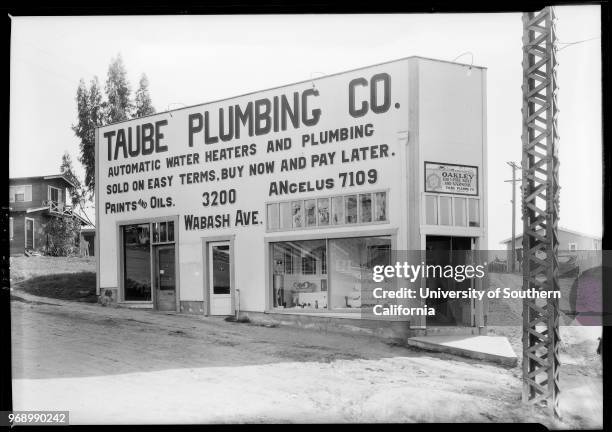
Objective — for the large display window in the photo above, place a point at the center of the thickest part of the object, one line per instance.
(139, 243)
(301, 279)
(137, 262)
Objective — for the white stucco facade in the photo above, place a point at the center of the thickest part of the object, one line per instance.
(421, 110)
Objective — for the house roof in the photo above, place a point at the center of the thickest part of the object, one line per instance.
(45, 177)
(569, 231)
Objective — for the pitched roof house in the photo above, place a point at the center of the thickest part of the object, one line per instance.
(32, 202)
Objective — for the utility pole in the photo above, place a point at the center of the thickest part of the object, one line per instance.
(540, 187)
(513, 181)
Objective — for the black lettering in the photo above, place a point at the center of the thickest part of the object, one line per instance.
(194, 127)
(364, 105)
(159, 136)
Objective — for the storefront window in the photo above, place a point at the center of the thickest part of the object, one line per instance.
(338, 210)
(302, 276)
(323, 212)
(474, 213)
(309, 265)
(296, 214)
(445, 211)
(273, 216)
(351, 266)
(365, 208)
(170, 231)
(380, 209)
(137, 262)
(306, 288)
(431, 210)
(163, 232)
(285, 215)
(310, 207)
(460, 212)
(323, 209)
(351, 209)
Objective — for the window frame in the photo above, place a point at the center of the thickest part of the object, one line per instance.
(16, 190)
(391, 233)
(330, 211)
(119, 225)
(59, 194)
(453, 218)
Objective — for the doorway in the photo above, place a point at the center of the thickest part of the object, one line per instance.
(165, 278)
(29, 233)
(219, 278)
(443, 251)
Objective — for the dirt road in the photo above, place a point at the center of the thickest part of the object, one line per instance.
(112, 365)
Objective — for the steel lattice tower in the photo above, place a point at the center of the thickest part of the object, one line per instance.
(540, 209)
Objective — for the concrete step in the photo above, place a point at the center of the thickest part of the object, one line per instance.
(135, 305)
(496, 349)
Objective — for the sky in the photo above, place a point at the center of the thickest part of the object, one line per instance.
(194, 59)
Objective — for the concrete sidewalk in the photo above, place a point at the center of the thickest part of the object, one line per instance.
(495, 349)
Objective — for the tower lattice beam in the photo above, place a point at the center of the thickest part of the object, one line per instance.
(540, 209)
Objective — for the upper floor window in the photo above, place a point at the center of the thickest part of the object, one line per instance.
(452, 210)
(361, 208)
(22, 193)
(54, 194)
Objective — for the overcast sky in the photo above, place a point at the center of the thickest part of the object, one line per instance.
(195, 59)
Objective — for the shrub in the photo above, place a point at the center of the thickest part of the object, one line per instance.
(62, 235)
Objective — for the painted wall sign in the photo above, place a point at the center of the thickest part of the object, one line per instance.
(451, 179)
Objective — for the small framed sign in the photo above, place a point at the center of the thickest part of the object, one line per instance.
(449, 178)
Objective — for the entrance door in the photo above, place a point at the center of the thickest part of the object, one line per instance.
(165, 289)
(29, 233)
(219, 281)
(443, 251)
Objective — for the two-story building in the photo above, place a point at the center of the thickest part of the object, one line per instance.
(32, 202)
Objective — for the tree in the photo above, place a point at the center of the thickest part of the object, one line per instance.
(143, 102)
(76, 193)
(93, 111)
(90, 115)
(62, 234)
(118, 106)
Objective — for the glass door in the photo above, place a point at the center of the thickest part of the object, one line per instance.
(29, 233)
(219, 278)
(165, 290)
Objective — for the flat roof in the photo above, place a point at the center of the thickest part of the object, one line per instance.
(296, 83)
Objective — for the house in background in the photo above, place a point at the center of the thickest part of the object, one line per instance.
(87, 240)
(33, 201)
(569, 241)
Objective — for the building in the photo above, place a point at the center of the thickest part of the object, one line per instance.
(33, 201)
(570, 242)
(279, 203)
(87, 240)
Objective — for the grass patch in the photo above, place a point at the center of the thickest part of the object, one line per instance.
(24, 267)
(79, 286)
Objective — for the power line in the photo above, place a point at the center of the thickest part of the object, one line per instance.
(568, 44)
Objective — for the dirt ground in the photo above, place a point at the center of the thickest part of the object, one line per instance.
(23, 267)
(112, 365)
